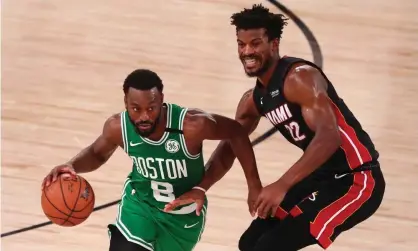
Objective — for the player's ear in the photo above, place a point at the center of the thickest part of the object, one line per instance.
(275, 45)
(162, 97)
(126, 102)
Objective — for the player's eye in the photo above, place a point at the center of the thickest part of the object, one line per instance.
(256, 43)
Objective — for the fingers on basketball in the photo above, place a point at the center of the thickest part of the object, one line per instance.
(62, 170)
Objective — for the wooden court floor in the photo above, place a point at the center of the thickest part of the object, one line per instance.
(63, 63)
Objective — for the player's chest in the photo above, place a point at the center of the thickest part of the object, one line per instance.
(285, 116)
(159, 165)
(167, 151)
(277, 109)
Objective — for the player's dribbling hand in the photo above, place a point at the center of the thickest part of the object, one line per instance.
(55, 172)
(191, 196)
(269, 199)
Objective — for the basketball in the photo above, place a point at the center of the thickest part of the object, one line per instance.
(68, 201)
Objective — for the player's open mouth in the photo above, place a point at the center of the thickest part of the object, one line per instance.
(250, 62)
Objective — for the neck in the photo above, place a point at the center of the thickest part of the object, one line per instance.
(266, 76)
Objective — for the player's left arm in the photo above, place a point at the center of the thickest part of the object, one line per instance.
(200, 126)
(306, 86)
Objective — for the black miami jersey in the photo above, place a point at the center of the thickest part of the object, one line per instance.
(356, 149)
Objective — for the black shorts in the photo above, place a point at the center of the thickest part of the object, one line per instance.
(315, 211)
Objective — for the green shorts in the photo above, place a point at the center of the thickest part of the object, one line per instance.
(154, 229)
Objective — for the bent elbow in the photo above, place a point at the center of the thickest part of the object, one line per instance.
(238, 131)
(336, 140)
(237, 137)
(330, 140)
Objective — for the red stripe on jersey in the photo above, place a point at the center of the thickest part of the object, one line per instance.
(339, 211)
(281, 213)
(296, 211)
(356, 153)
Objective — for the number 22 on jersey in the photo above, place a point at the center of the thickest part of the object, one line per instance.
(294, 130)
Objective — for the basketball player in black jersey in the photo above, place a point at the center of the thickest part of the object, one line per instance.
(336, 184)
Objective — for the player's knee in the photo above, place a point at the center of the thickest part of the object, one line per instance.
(253, 233)
(118, 242)
(245, 243)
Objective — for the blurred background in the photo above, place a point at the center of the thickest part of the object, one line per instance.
(64, 62)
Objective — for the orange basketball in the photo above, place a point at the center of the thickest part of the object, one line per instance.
(68, 201)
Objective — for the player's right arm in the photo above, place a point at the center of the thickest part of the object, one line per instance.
(93, 156)
(223, 157)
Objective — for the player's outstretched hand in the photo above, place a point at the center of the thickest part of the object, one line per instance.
(194, 195)
(55, 172)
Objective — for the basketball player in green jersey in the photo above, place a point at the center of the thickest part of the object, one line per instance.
(164, 142)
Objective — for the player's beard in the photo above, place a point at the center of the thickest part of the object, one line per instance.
(146, 133)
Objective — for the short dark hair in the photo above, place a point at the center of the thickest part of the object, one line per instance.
(142, 79)
(260, 17)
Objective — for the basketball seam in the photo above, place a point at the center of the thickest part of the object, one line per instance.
(81, 210)
(62, 193)
(46, 196)
(78, 197)
(91, 201)
(65, 203)
(64, 218)
(78, 218)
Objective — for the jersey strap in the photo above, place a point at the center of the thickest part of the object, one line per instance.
(173, 130)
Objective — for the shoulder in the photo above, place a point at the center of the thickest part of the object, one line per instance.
(247, 98)
(195, 123)
(246, 106)
(304, 81)
(113, 122)
(196, 118)
(302, 71)
(112, 128)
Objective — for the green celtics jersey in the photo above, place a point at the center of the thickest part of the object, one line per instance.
(164, 169)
